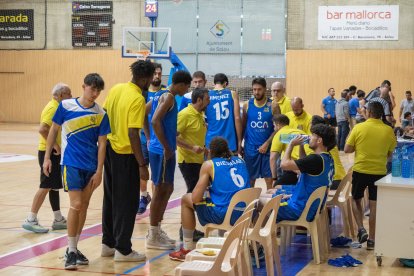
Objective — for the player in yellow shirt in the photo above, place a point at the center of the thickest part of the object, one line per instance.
(124, 163)
(278, 148)
(373, 142)
(53, 183)
(298, 117)
(279, 97)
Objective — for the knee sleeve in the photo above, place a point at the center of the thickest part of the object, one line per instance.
(54, 200)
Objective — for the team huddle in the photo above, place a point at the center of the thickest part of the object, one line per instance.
(219, 150)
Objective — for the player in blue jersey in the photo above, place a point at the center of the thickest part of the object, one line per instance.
(84, 128)
(199, 81)
(222, 176)
(223, 114)
(155, 86)
(316, 170)
(163, 112)
(258, 132)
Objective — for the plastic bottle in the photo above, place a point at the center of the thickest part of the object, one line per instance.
(405, 164)
(396, 163)
(286, 138)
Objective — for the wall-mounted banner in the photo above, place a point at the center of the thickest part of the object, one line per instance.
(358, 22)
(92, 7)
(16, 25)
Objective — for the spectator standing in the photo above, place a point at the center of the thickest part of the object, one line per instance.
(343, 118)
(328, 107)
(407, 105)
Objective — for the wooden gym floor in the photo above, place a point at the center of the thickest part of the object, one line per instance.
(26, 253)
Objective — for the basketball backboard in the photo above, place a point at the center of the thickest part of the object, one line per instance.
(142, 42)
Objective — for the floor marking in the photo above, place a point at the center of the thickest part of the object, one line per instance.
(35, 250)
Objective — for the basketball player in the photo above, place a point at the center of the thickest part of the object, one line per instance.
(226, 174)
(155, 86)
(223, 114)
(199, 81)
(163, 114)
(258, 133)
(84, 128)
(124, 163)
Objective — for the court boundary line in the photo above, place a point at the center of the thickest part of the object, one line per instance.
(41, 248)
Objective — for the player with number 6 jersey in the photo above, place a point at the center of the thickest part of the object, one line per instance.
(223, 114)
(222, 176)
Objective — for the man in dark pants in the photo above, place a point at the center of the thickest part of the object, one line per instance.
(124, 163)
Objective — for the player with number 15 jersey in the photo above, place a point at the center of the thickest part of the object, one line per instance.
(223, 114)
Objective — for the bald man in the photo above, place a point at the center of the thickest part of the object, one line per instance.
(279, 98)
(298, 117)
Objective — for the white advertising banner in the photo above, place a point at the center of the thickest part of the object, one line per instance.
(358, 22)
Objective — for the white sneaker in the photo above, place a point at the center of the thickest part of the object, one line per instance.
(158, 242)
(59, 225)
(134, 256)
(34, 226)
(107, 251)
(165, 236)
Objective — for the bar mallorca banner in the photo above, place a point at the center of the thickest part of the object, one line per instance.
(358, 22)
(16, 25)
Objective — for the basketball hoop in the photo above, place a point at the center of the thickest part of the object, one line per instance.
(142, 54)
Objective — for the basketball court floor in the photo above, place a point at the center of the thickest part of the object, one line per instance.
(26, 253)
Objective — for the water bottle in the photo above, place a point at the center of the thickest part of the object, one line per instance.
(286, 138)
(396, 163)
(405, 164)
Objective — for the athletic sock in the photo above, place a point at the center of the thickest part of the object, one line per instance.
(32, 216)
(58, 215)
(54, 200)
(188, 239)
(72, 244)
(154, 230)
(144, 194)
(77, 239)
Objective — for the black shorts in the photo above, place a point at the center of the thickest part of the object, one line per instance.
(54, 181)
(360, 181)
(191, 173)
(287, 178)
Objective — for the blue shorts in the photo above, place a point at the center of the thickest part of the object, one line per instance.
(162, 171)
(145, 153)
(286, 213)
(207, 212)
(75, 179)
(258, 165)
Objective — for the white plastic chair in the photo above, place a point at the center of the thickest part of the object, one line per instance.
(246, 196)
(223, 264)
(312, 226)
(341, 198)
(266, 235)
(246, 265)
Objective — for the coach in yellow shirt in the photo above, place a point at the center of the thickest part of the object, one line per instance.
(191, 130)
(53, 183)
(298, 117)
(124, 163)
(373, 142)
(279, 97)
